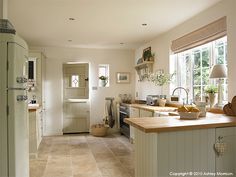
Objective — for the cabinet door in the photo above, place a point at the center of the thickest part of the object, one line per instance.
(134, 113)
(38, 126)
(226, 162)
(146, 113)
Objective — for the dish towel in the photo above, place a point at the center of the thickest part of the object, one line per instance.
(110, 111)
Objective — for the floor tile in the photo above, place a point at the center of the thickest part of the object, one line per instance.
(83, 155)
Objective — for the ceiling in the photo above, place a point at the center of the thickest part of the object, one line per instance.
(99, 23)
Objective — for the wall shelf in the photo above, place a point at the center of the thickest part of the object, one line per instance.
(144, 69)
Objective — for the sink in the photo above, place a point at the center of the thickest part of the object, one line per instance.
(33, 106)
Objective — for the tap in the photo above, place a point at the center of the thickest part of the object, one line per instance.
(186, 91)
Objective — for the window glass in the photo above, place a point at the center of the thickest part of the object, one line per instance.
(103, 70)
(192, 68)
(75, 81)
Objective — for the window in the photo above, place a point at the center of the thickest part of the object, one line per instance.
(75, 81)
(192, 68)
(103, 70)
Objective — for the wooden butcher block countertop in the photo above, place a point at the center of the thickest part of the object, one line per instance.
(174, 123)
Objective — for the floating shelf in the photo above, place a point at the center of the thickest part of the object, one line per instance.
(145, 64)
(144, 69)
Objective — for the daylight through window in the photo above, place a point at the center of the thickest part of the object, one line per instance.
(103, 70)
(192, 68)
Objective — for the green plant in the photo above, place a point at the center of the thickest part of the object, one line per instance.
(153, 55)
(160, 79)
(211, 89)
(103, 78)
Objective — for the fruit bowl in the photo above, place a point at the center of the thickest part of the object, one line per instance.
(189, 115)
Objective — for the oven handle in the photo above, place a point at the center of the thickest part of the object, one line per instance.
(121, 112)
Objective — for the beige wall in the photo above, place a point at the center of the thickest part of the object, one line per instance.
(161, 45)
(119, 61)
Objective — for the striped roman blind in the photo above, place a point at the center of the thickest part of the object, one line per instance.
(208, 33)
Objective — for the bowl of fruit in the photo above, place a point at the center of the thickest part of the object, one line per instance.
(188, 112)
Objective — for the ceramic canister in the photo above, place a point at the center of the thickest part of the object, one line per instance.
(201, 105)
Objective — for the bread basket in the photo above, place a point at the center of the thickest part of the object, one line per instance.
(189, 115)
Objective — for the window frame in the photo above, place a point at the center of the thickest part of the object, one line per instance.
(177, 59)
(106, 74)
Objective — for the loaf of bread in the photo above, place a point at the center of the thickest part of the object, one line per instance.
(230, 108)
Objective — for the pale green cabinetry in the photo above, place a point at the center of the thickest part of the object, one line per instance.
(188, 153)
(35, 131)
(146, 113)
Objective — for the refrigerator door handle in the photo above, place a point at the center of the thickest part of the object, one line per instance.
(21, 80)
(12, 88)
(21, 97)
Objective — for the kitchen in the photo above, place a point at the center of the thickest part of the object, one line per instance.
(122, 60)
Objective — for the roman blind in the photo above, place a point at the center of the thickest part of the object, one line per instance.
(208, 33)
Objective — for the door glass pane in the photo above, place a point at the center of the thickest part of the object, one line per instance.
(75, 81)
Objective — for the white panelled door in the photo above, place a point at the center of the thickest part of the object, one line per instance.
(76, 103)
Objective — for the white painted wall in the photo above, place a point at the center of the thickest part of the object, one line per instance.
(3, 9)
(119, 61)
(161, 45)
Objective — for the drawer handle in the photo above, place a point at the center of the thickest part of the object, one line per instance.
(21, 97)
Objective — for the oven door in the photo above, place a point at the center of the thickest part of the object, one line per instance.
(124, 127)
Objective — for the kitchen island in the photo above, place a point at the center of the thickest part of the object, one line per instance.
(168, 146)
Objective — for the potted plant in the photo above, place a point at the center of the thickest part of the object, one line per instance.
(212, 91)
(104, 80)
(152, 56)
(160, 78)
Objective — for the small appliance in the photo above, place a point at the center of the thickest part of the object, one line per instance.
(152, 100)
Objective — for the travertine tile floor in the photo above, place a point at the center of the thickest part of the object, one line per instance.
(83, 155)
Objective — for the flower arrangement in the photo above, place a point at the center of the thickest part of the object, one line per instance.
(160, 78)
(103, 78)
(211, 89)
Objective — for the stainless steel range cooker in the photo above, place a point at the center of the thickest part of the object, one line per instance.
(124, 113)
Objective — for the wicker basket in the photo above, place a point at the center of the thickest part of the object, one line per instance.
(189, 115)
(99, 129)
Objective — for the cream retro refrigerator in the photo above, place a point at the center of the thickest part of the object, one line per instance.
(14, 143)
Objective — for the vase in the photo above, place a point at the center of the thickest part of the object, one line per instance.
(212, 99)
(103, 83)
(162, 102)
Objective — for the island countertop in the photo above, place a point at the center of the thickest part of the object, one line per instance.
(174, 123)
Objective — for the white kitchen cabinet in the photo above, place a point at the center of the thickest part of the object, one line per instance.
(35, 131)
(146, 113)
(226, 162)
(134, 113)
(39, 90)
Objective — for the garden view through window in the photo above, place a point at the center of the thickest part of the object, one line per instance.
(192, 68)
